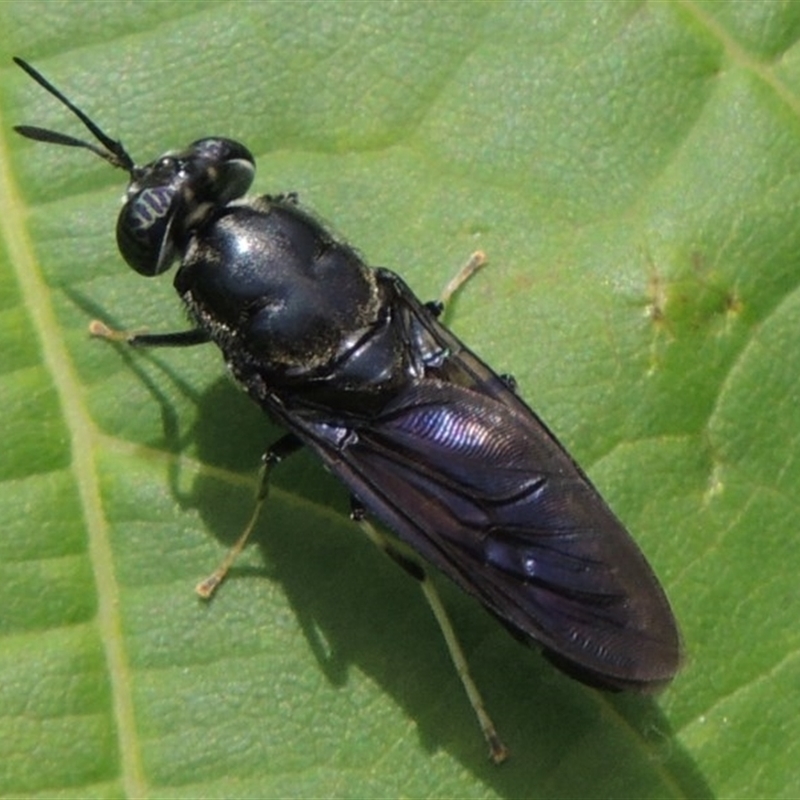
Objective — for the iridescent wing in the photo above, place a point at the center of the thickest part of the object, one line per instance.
(469, 477)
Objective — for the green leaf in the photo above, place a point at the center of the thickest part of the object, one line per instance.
(633, 172)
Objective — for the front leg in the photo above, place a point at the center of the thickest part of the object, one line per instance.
(175, 339)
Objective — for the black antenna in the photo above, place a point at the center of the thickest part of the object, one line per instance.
(114, 152)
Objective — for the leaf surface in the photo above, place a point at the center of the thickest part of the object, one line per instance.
(633, 172)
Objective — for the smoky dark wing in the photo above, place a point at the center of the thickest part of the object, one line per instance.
(474, 482)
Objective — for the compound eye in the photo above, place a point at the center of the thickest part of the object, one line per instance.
(144, 229)
(164, 170)
(174, 194)
(228, 169)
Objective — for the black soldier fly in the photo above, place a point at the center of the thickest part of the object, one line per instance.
(424, 435)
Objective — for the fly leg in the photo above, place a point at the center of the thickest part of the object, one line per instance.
(284, 447)
(473, 264)
(437, 307)
(497, 750)
(175, 339)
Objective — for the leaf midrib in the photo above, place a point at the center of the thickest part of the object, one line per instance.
(36, 298)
